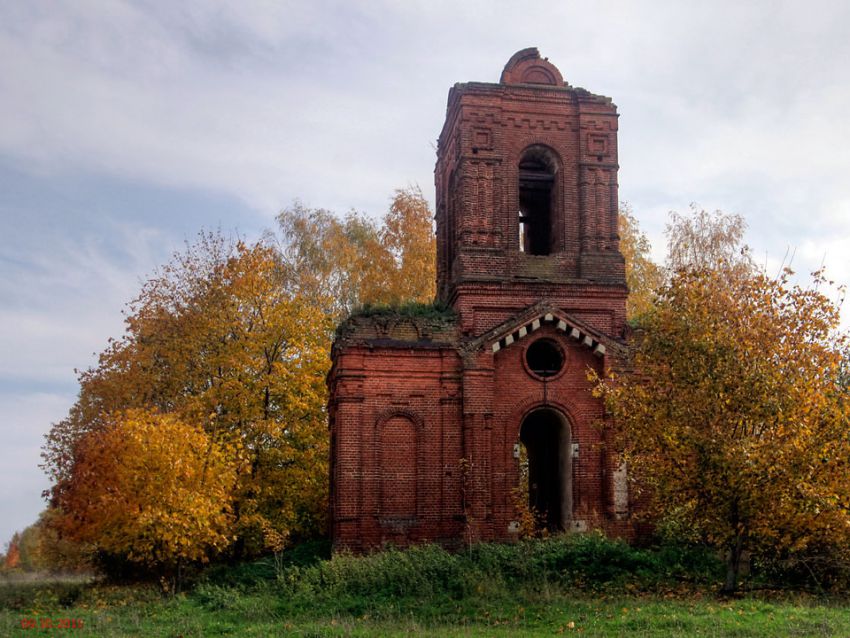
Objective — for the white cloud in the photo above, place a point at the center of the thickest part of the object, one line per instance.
(164, 113)
(337, 104)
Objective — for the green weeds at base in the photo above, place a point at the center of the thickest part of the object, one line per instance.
(590, 563)
(578, 584)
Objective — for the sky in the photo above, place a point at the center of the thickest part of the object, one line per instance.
(128, 127)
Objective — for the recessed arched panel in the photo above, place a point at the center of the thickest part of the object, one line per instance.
(397, 467)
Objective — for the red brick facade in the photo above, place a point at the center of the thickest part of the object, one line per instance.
(431, 416)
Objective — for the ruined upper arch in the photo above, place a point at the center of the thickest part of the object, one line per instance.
(527, 67)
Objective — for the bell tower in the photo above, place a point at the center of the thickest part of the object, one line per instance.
(455, 426)
(526, 181)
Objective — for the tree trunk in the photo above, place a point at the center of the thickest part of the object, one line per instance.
(733, 565)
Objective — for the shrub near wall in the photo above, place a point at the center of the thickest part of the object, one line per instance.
(428, 572)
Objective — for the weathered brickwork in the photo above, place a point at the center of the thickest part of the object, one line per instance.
(428, 416)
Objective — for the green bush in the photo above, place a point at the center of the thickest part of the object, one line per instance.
(55, 594)
(266, 569)
(19, 596)
(414, 309)
(820, 568)
(585, 562)
(419, 571)
(215, 597)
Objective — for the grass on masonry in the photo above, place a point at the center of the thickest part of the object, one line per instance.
(435, 311)
(584, 585)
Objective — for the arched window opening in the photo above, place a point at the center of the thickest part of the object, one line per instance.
(536, 184)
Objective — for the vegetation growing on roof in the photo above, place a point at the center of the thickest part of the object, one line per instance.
(436, 310)
(435, 314)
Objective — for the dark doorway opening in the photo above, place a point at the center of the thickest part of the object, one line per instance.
(545, 437)
(536, 181)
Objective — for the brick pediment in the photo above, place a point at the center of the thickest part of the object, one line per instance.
(538, 315)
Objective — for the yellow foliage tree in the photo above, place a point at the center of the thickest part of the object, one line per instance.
(12, 557)
(736, 421)
(217, 340)
(51, 551)
(409, 237)
(643, 276)
(232, 340)
(335, 263)
(151, 489)
(703, 240)
(345, 264)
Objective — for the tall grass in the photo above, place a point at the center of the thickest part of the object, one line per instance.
(567, 563)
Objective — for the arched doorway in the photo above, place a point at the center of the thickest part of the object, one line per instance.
(546, 467)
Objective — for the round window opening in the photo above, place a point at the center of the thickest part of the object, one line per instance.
(544, 358)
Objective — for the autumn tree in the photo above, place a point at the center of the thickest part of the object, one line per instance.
(334, 262)
(45, 549)
(217, 341)
(29, 548)
(705, 240)
(695, 240)
(152, 490)
(228, 341)
(643, 276)
(409, 237)
(12, 557)
(736, 423)
(348, 263)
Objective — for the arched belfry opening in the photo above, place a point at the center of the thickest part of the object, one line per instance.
(537, 170)
(546, 467)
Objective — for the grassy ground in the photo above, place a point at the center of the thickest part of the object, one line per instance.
(263, 613)
(541, 589)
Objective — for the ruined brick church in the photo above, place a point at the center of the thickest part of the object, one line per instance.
(445, 425)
